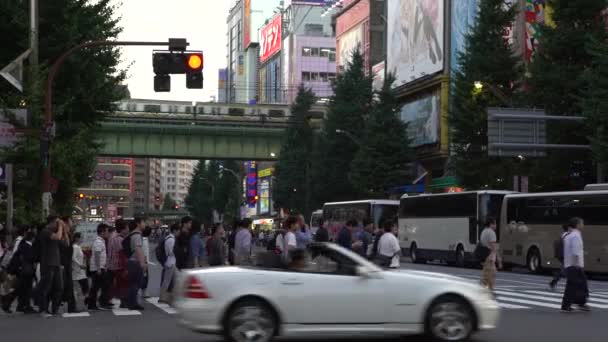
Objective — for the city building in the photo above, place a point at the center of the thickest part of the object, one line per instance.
(146, 184)
(242, 55)
(361, 24)
(308, 52)
(109, 195)
(176, 177)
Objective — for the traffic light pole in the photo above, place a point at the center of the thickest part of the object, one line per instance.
(47, 132)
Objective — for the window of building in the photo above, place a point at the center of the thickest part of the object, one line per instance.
(305, 76)
(331, 76)
(313, 30)
(306, 52)
(314, 76)
(332, 55)
(314, 52)
(323, 76)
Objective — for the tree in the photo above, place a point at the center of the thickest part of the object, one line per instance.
(86, 87)
(595, 103)
(199, 200)
(169, 203)
(487, 61)
(228, 192)
(382, 160)
(347, 111)
(557, 81)
(292, 188)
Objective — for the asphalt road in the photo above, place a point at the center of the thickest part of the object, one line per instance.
(529, 314)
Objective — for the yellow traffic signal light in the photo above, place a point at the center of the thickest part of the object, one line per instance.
(81, 196)
(195, 61)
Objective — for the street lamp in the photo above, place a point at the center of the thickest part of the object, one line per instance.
(480, 85)
(350, 136)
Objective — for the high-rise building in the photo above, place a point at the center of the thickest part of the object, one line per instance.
(146, 184)
(242, 48)
(308, 52)
(109, 195)
(176, 178)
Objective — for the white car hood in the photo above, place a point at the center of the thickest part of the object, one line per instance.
(436, 275)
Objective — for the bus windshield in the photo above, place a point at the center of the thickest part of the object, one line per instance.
(385, 212)
(489, 206)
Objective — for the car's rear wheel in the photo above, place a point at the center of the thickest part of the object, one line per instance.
(450, 318)
(250, 320)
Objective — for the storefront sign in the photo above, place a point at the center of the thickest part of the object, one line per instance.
(270, 40)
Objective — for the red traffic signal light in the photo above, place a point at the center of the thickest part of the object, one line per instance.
(194, 61)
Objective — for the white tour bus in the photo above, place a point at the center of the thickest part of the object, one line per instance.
(316, 219)
(531, 223)
(337, 213)
(445, 227)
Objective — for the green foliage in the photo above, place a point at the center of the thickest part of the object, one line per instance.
(488, 59)
(86, 86)
(168, 203)
(348, 109)
(291, 188)
(557, 82)
(213, 190)
(382, 161)
(595, 102)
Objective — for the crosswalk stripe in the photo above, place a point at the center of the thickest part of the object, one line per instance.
(529, 302)
(599, 294)
(125, 312)
(74, 315)
(547, 299)
(512, 306)
(556, 294)
(165, 307)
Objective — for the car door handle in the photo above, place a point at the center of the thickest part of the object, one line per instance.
(291, 282)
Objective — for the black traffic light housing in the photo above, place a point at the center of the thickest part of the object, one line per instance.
(166, 63)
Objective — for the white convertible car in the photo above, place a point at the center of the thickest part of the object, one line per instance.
(337, 293)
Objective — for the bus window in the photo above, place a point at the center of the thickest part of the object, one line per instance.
(384, 212)
(489, 205)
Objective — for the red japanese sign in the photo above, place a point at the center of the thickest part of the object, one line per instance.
(270, 40)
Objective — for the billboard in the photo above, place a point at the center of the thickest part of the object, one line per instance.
(463, 18)
(415, 38)
(270, 40)
(422, 117)
(536, 16)
(347, 43)
(265, 196)
(246, 23)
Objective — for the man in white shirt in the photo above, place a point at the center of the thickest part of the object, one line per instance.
(242, 243)
(168, 273)
(388, 246)
(577, 290)
(488, 239)
(97, 267)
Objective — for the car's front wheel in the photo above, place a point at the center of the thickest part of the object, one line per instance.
(250, 320)
(450, 319)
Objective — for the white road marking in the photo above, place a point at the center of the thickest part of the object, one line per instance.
(125, 312)
(74, 315)
(556, 294)
(529, 302)
(546, 299)
(165, 307)
(512, 306)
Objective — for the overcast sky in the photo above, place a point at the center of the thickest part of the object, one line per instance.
(202, 22)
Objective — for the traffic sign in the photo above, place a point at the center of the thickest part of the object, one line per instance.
(13, 72)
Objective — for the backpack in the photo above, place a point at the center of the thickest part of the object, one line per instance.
(272, 243)
(126, 244)
(161, 251)
(558, 248)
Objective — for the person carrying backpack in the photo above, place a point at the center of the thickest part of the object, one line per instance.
(558, 246)
(166, 256)
(132, 246)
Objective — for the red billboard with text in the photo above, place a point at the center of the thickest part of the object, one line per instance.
(270, 40)
(247, 23)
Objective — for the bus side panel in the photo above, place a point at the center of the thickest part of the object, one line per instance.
(435, 238)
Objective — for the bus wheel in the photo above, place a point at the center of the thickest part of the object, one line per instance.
(533, 260)
(460, 261)
(414, 254)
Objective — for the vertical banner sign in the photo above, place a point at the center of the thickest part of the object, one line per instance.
(535, 18)
(270, 40)
(252, 183)
(247, 24)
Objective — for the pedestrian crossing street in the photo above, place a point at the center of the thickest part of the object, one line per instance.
(530, 299)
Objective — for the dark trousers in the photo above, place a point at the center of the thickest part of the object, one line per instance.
(97, 280)
(51, 285)
(84, 286)
(136, 278)
(24, 291)
(108, 280)
(577, 290)
(68, 289)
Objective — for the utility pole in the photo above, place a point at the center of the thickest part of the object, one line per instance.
(48, 130)
(9, 197)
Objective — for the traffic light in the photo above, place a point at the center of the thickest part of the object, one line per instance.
(166, 63)
(81, 196)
